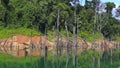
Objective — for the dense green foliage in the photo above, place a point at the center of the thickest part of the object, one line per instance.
(6, 33)
(85, 60)
(40, 15)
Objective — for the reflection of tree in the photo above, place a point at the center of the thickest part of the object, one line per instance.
(25, 51)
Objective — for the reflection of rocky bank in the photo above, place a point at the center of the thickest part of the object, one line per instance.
(21, 45)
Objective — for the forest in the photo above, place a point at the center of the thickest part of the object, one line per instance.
(39, 14)
(61, 19)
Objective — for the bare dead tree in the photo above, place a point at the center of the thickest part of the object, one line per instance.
(118, 44)
(31, 44)
(67, 45)
(111, 55)
(61, 45)
(93, 62)
(58, 37)
(18, 50)
(75, 39)
(99, 49)
(99, 23)
(53, 66)
(95, 22)
(11, 46)
(4, 46)
(98, 20)
(41, 46)
(45, 48)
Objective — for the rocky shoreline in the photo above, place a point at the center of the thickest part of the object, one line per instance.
(21, 45)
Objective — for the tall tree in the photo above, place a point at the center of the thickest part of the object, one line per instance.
(110, 6)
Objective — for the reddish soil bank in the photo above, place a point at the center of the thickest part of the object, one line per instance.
(21, 45)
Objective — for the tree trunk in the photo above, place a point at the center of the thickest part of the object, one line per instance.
(58, 32)
(53, 66)
(67, 46)
(75, 40)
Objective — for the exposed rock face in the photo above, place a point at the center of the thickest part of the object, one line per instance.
(20, 45)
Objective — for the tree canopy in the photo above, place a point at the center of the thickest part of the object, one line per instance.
(41, 14)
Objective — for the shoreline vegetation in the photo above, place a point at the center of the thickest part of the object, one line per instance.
(7, 33)
(86, 59)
